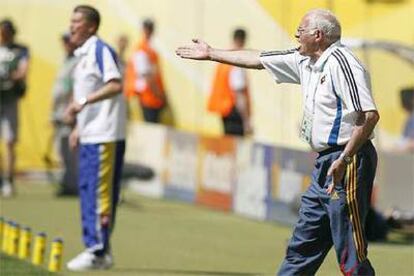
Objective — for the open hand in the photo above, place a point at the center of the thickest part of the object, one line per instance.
(74, 139)
(337, 171)
(199, 50)
(69, 116)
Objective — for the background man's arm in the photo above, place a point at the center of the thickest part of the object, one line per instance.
(109, 90)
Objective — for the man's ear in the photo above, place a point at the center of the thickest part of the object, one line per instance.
(319, 36)
(92, 28)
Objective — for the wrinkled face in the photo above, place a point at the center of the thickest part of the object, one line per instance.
(80, 29)
(307, 38)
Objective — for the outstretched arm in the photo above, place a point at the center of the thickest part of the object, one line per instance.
(200, 50)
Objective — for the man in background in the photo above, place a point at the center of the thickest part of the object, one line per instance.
(406, 143)
(14, 65)
(143, 76)
(99, 106)
(62, 95)
(122, 43)
(230, 97)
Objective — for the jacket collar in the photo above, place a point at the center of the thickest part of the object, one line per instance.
(320, 63)
(82, 50)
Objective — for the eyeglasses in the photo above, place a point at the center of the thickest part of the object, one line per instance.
(301, 31)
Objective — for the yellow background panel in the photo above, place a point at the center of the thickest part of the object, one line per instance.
(270, 24)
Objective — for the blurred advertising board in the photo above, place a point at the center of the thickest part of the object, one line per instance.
(253, 179)
(217, 172)
(181, 166)
(395, 181)
(291, 170)
(262, 182)
(146, 146)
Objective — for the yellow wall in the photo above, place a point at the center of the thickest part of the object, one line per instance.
(270, 24)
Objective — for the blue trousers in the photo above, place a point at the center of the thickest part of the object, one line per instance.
(334, 220)
(100, 167)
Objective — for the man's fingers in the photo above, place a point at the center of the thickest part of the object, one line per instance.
(330, 189)
(73, 142)
(330, 171)
(184, 51)
(179, 50)
(72, 145)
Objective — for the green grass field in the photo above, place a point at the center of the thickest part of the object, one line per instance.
(156, 237)
(13, 266)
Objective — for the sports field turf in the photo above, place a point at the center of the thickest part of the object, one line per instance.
(157, 237)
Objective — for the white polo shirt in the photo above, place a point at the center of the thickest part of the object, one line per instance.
(335, 88)
(103, 121)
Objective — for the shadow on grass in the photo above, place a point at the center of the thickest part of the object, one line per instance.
(129, 204)
(396, 237)
(156, 271)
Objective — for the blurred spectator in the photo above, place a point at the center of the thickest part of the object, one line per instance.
(62, 96)
(406, 143)
(99, 106)
(401, 220)
(14, 63)
(143, 76)
(230, 93)
(122, 44)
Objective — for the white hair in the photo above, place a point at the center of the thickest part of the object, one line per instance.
(325, 21)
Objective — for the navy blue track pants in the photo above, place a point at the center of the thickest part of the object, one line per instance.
(334, 220)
